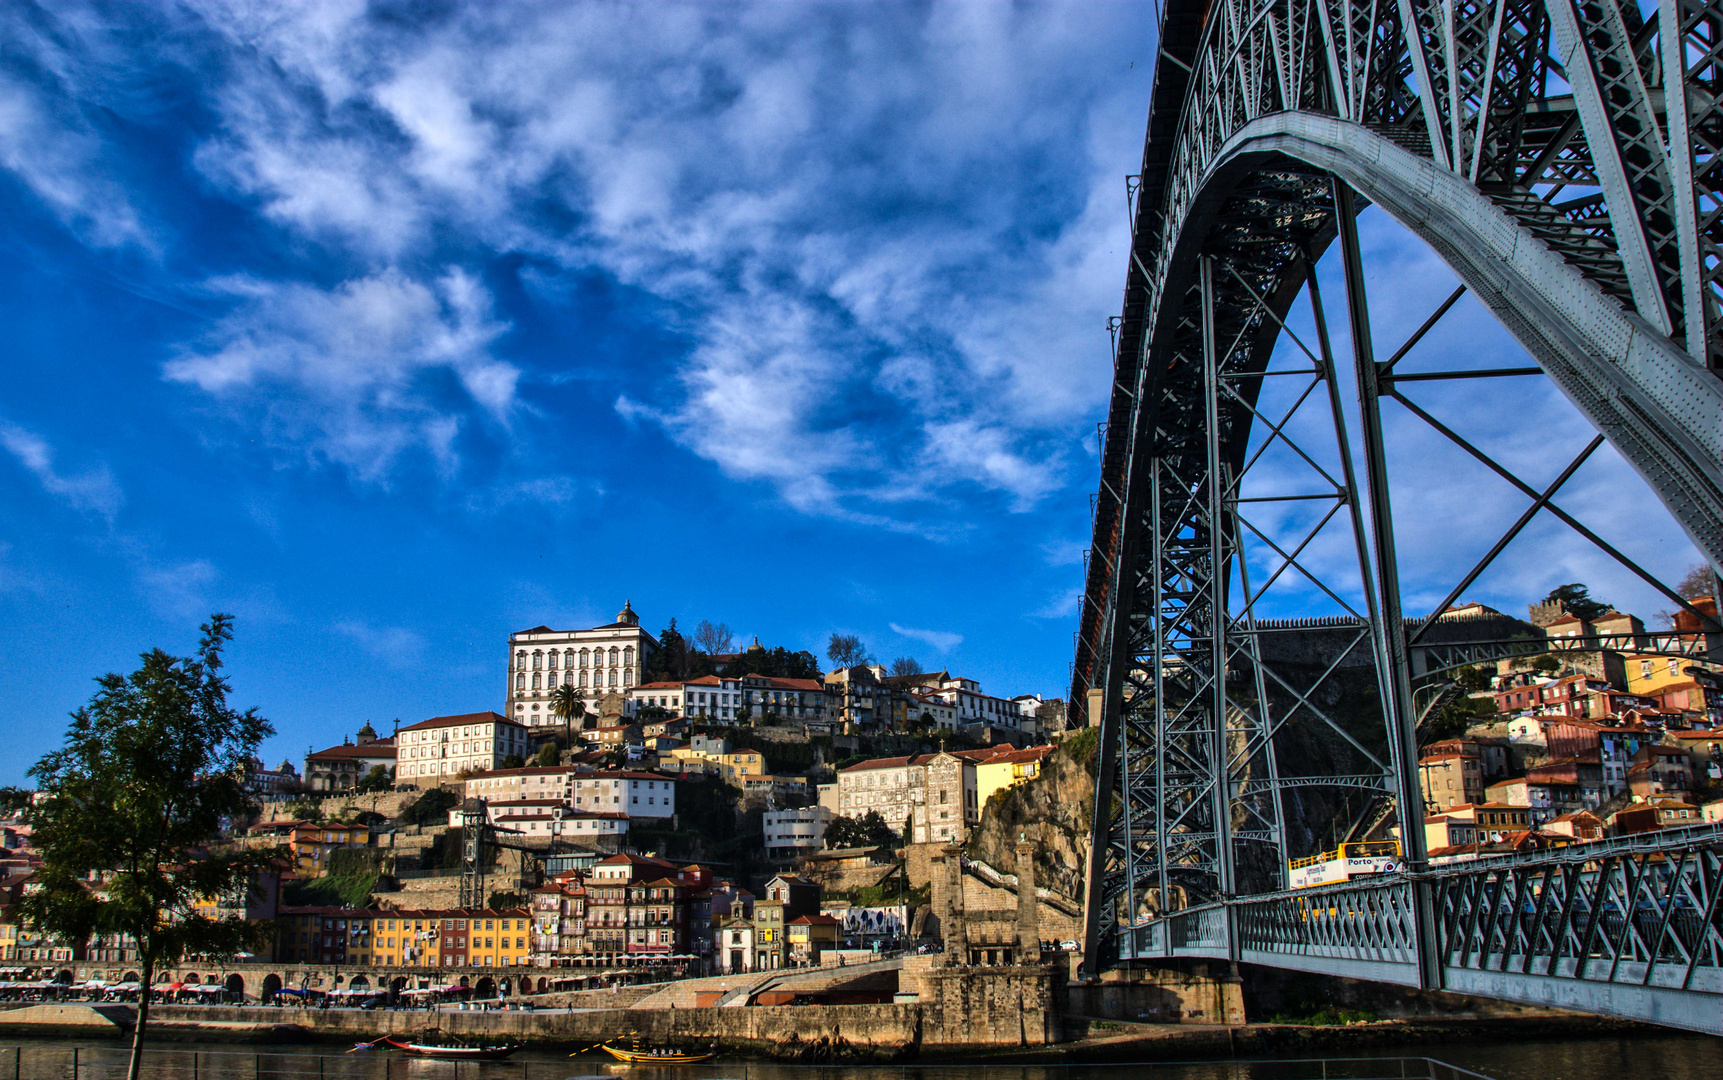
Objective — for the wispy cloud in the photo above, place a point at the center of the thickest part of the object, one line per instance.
(943, 640)
(93, 490)
(358, 373)
(178, 590)
(395, 646)
(54, 153)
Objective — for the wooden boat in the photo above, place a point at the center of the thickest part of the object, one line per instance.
(451, 1051)
(640, 1052)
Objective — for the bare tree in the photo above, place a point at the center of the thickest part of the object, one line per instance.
(846, 650)
(906, 665)
(713, 640)
(1698, 582)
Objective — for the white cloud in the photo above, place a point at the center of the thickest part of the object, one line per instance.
(357, 373)
(93, 490)
(943, 640)
(893, 240)
(58, 158)
(395, 646)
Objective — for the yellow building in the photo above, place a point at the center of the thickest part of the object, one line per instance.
(312, 845)
(736, 767)
(498, 942)
(1006, 768)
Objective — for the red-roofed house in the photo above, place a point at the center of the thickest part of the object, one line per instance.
(810, 936)
(1450, 778)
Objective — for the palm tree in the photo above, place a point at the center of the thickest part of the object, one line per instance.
(566, 702)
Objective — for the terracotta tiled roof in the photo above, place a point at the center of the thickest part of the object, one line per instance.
(382, 748)
(463, 718)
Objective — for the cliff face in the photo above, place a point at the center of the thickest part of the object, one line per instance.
(1053, 810)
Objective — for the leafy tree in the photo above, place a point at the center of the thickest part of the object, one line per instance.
(906, 665)
(505, 901)
(380, 778)
(304, 810)
(714, 639)
(1578, 601)
(513, 761)
(869, 830)
(431, 808)
(671, 660)
(846, 650)
(744, 714)
(1472, 679)
(14, 800)
(150, 770)
(566, 703)
(548, 755)
(777, 663)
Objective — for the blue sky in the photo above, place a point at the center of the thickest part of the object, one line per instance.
(393, 328)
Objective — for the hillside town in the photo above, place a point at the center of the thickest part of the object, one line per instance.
(643, 810)
(1578, 744)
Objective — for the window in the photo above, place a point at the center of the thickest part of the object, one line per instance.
(520, 681)
(537, 660)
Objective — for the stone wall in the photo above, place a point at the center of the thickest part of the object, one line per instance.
(972, 1013)
(1196, 995)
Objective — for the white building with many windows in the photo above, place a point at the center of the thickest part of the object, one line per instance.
(795, 832)
(636, 794)
(444, 747)
(604, 660)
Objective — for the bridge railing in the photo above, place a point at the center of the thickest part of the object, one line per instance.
(1631, 927)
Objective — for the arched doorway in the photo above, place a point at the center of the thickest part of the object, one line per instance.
(235, 987)
(164, 977)
(464, 984)
(542, 984)
(130, 976)
(359, 982)
(192, 978)
(487, 987)
(398, 983)
(271, 985)
(63, 977)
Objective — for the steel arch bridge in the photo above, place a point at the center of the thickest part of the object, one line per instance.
(1562, 157)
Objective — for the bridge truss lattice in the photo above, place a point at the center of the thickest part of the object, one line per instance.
(1562, 157)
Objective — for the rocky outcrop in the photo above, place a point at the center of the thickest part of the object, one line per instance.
(1052, 811)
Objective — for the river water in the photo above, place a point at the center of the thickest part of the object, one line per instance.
(1660, 1057)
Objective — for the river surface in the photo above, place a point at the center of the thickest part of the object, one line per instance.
(1660, 1057)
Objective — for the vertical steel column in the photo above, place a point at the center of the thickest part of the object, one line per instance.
(1390, 626)
(1159, 681)
(1349, 477)
(1219, 775)
(1264, 722)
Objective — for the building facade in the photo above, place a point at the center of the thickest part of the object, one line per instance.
(340, 768)
(795, 832)
(445, 748)
(603, 660)
(933, 795)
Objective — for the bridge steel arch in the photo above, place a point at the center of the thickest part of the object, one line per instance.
(1561, 156)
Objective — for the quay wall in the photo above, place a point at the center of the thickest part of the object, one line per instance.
(782, 1031)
